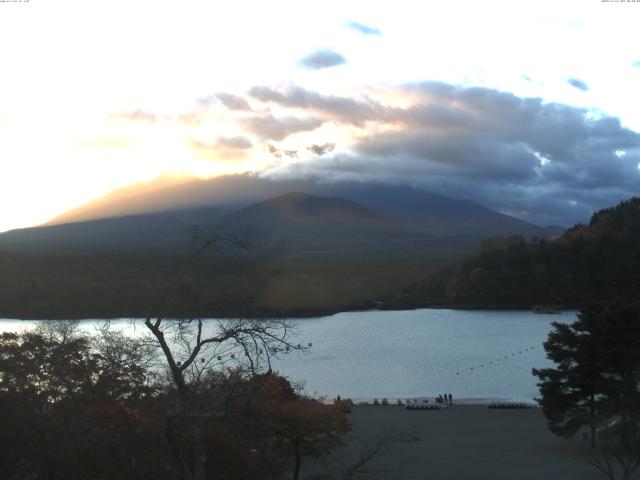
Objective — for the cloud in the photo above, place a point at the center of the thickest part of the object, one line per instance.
(238, 143)
(514, 154)
(363, 29)
(331, 107)
(228, 148)
(322, 59)
(269, 127)
(577, 83)
(321, 149)
(279, 152)
(555, 161)
(137, 116)
(232, 102)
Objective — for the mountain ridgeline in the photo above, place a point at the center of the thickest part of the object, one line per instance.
(292, 253)
(600, 259)
(335, 219)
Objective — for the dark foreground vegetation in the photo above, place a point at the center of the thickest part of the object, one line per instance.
(162, 406)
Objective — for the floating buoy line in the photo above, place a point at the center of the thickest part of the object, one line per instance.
(500, 359)
(237, 353)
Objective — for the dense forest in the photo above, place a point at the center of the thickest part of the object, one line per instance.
(596, 259)
(112, 286)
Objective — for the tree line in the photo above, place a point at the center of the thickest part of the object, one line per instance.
(601, 258)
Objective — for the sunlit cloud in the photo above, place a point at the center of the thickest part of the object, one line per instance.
(342, 109)
(136, 116)
(223, 148)
(270, 127)
(229, 100)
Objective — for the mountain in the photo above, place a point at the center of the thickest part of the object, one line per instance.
(294, 224)
(308, 225)
(431, 213)
(436, 214)
(305, 210)
(156, 233)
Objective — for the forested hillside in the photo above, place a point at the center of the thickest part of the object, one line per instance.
(597, 259)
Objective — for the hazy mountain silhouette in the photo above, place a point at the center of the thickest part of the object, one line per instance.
(302, 214)
(434, 214)
(306, 224)
(295, 224)
(155, 233)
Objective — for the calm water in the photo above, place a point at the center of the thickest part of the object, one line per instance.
(416, 353)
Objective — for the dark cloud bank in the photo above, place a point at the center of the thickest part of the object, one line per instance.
(546, 162)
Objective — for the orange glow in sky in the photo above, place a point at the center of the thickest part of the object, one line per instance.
(99, 95)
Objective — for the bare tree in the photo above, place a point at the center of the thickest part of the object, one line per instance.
(196, 352)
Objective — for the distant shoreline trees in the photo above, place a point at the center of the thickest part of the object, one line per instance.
(587, 261)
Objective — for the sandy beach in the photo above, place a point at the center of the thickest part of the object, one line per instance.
(462, 442)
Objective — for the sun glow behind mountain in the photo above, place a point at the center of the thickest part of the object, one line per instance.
(102, 96)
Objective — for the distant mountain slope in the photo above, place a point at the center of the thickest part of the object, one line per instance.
(157, 233)
(437, 214)
(295, 224)
(305, 209)
(305, 224)
(434, 214)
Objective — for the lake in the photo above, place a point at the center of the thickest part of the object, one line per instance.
(480, 355)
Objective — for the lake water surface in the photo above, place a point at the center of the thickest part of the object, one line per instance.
(415, 353)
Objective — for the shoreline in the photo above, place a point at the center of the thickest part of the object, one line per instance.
(281, 315)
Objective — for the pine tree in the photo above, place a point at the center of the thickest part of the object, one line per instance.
(596, 375)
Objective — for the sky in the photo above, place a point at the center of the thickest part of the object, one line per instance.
(530, 108)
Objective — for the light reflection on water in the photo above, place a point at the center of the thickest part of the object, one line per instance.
(412, 353)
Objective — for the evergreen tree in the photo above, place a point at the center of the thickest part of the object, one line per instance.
(596, 375)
